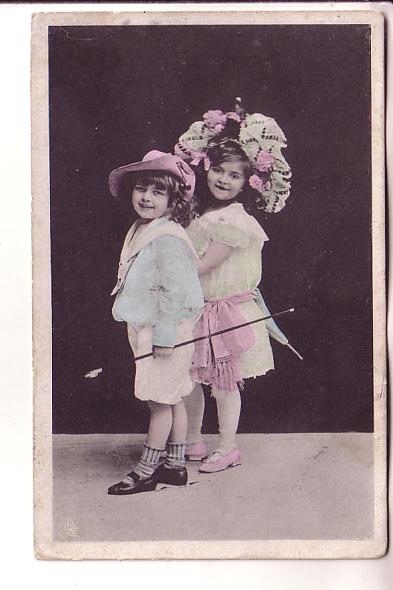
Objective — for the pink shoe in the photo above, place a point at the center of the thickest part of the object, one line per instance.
(217, 461)
(196, 451)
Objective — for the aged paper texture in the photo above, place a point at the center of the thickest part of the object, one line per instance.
(106, 88)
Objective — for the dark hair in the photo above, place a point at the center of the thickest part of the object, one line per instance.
(228, 150)
(179, 206)
(229, 132)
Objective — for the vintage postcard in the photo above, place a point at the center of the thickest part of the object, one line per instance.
(188, 402)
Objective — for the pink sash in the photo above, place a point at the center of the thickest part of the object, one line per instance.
(216, 360)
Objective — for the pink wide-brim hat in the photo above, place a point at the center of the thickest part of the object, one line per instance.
(155, 161)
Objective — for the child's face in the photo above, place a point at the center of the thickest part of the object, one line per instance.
(226, 180)
(149, 201)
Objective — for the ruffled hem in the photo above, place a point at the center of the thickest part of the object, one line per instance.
(165, 381)
(218, 393)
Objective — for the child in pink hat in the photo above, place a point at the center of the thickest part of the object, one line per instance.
(158, 295)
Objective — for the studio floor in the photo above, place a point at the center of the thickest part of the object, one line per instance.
(289, 486)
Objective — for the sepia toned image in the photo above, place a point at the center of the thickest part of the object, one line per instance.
(209, 285)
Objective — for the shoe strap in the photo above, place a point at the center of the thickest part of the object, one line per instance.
(213, 457)
(131, 477)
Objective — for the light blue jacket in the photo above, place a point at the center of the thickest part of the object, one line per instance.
(158, 284)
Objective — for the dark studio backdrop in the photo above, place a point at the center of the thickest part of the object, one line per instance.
(115, 92)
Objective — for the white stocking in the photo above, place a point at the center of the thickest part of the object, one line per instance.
(195, 406)
(228, 411)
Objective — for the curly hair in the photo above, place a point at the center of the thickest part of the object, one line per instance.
(226, 150)
(179, 207)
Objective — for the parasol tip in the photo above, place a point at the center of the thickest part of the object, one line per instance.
(295, 351)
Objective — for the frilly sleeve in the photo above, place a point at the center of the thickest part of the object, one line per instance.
(225, 232)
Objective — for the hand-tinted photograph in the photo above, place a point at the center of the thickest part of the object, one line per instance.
(214, 228)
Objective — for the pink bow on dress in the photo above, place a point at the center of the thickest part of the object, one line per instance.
(216, 360)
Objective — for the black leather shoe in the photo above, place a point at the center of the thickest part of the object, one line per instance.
(146, 484)
(174, 477)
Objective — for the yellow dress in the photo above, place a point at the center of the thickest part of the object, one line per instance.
(241, 271)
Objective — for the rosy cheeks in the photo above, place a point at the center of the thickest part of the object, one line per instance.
(150, 202)
(226, 180)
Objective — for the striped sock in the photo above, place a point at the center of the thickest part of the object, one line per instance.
(175, 455)
(148, 461)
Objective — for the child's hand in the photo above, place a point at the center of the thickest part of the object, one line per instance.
(162, 352)
(214, 256)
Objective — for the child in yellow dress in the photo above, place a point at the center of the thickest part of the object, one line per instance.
(242, 163)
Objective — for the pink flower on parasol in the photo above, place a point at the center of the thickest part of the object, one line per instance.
(256, 183)
(213, 119)
(264, 161)
(234, 116)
